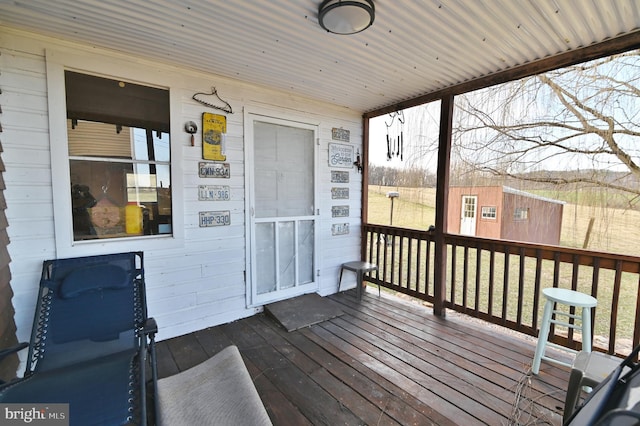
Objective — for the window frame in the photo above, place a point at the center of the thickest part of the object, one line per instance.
(114, 68)
(518, 215)
(493, 209)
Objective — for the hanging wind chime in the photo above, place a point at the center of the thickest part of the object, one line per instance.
(395, 136)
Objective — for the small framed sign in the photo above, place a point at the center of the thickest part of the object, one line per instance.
(341, 155)
(340, 211)
(340, 134)
(339, 193)
(214, 130)
(339, 229)
(339, 176)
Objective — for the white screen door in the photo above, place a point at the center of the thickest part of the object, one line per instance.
(468, 215)
(282, 214)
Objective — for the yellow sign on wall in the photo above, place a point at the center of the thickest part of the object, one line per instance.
(214, 129)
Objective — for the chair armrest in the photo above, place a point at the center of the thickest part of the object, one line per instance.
(150, 327)
(13, 349)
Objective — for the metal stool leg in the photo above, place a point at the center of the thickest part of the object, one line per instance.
(542, 337)
(586, 329)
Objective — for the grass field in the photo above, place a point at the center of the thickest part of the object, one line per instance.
(614, 230)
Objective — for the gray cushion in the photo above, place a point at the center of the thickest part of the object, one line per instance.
(218, 391)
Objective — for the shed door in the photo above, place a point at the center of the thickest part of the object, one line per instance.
(283, 222)
(469, 212)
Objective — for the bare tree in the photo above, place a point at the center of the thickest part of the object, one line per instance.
(577, 126)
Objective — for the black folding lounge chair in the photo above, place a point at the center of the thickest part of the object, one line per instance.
(616, 400)
(92, 342)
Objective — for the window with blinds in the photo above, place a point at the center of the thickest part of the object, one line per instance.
(119, 158)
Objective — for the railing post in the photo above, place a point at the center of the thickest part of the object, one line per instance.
(442, 195)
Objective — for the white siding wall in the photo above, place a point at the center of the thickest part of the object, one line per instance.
(200, 281)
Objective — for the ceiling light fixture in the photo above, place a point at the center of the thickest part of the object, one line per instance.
(346, 17)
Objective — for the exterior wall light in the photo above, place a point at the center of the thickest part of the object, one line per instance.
(346, 17)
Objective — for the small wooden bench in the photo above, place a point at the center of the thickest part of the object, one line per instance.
(218, 391)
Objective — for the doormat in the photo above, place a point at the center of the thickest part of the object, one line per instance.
(303, 311)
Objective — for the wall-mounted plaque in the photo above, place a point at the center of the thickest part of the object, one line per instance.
(340, 134)
(339, 229)
(214, 193)
(341, 155)
(340, 211)
(339, 176)
(214, 129)
(214, 170)
(221, 218)
(339, 193)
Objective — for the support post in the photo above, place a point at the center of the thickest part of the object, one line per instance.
(365, 187)
(442, 196)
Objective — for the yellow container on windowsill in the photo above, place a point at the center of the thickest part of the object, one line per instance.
(133, 218)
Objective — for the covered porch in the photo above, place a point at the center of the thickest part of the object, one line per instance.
(386, 360)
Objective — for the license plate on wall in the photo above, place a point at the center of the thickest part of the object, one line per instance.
(219, 218)
(214, 170)
(214, 193)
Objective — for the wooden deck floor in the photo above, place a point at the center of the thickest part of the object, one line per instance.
(385, 361)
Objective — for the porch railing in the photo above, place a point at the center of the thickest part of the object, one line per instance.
(501, 281)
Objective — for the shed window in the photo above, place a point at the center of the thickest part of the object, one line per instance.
(521, 213)
(489, 212)
(119, 158)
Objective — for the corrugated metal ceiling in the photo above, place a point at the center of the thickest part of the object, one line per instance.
(414, 47)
